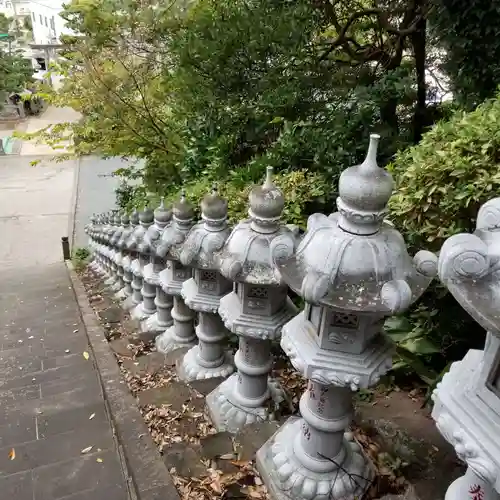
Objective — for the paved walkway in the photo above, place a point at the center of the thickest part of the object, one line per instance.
(51, 401)
(34, 209)
(51, 397)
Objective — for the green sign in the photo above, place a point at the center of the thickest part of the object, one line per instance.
(4, 35)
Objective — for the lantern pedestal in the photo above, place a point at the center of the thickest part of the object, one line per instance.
(249, 396)
(466, 420)
(290, 472)
(147, 307)
(162, 318)
(136, 298)
(230, 410)
(181, 333)
(208, 359)
(314, 458)
(119, 283)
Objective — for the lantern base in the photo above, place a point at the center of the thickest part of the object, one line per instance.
(466, 414)
(111, 280)
(228, 414)
(287, 478)
(168, 341)
(139, 314)
(189, 368)
(117, 285)
(151, 324)
(121, 294)
(130, 302)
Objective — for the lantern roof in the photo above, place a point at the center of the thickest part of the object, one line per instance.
(146, 216)
(469, 266)
(353, 260)
(176, 231)
(162, 214)
(247, 255)
(209, 235)
(134, 217)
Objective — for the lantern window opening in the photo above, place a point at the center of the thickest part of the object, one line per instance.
(344, 320)
(258, 292)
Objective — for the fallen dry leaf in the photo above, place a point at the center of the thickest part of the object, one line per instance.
(12, 454)
(92, 416)
(86, 450)
(99, 460)
(85, 354)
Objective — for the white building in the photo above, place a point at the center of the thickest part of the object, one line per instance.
(13, 8)
(48, 25)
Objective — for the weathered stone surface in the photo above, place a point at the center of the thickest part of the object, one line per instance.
(174, 394)
(120, 347)
(400, 426)
(65, 478)
(185, 459)
(173, 357)
(145, 365)
(409, 494)
(113, 314)
(206, 386)
(217, 445)
(252, 437)
(51, 399)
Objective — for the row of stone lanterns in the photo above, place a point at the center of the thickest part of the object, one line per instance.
(351, 268)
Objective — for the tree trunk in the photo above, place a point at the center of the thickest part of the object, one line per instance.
(418, 41)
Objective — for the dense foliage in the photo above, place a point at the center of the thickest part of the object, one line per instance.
(467, 30)
(442, 182)
(221, 89)
(217, 90)
(15, 73)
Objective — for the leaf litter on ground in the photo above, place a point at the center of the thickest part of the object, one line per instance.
(245, 481)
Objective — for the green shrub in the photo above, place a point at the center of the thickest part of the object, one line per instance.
(441, 183)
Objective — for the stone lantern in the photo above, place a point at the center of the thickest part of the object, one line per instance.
(106, 249)
(132, 261)
(90, 231)
(101, 247)
(113, 237)
(202, 292)
(255, 310)
(353, 270)
(147, 308)
(119, 242)
(467, 401)
(145, 220)
(181, 333)
(126, 257)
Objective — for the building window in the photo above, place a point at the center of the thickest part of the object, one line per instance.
(33, 16)
(53, 23)
(41, 20)
(8, 5)
(46, 22)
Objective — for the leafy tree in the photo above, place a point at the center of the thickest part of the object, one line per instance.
(467, 30)
(5, 23)
(15, 73)
(225, 88)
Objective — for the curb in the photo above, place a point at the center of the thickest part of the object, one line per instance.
(73, 206)
(146, 474)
